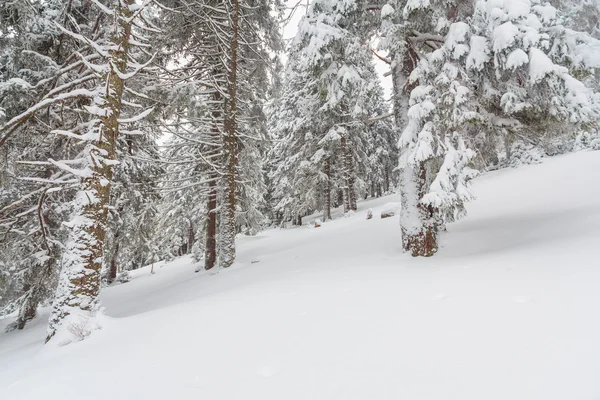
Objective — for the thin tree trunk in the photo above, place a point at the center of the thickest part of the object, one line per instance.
(328, 190)
(210, 257)
(112, 273)
(350, 202)
(191, 237)
(210, 252)
(346, 188)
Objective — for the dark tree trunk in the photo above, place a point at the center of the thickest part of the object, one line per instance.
(346, 188)
(228, 228)
(112, 272)
(349, 178)
(191, 237)
(210, 252)
(210, 257)
(328, 189)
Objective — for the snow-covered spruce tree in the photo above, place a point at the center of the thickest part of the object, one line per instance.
(410, 32)
(222, 124)
(434, 158)
(197, 43)
(33, 62)
(539, 98)
(294, 182)
(254, 34)
(257, 75)
(499, 70)
(382, 151)
(110, 63)
(324, 125)
(132, 226)
(79, 283)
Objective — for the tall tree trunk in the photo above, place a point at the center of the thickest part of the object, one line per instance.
(191, 237)
(386, 182)
(228, 229)
(419, 233)
(112, 273)
(76, 300)
(210, 252)
(350, 202)
(328, 190)
(346, 188)
(351, 184)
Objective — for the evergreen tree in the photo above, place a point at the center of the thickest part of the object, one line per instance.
(330, 93)
(495, 71)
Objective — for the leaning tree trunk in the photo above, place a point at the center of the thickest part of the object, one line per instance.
(419, 233)
(228, 226)
(76, 299)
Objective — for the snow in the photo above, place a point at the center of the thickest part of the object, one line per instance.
(517, 58)
(456, 38)
(387, 10)
(504, 36)
(505, 310)
(480, 53)
(540, 65)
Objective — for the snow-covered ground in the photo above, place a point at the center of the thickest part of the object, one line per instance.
(508, 310)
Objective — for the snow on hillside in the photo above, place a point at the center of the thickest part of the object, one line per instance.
(507, 310)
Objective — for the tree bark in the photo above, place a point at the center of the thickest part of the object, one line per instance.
(76, 298)
(191, 238)
(350, 202)
(210, 252)
(112, 273)
(328, 190)
(228, 226)
(419, 232)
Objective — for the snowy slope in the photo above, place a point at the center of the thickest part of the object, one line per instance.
(507, 310)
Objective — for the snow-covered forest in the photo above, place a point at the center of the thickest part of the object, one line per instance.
(291, 209)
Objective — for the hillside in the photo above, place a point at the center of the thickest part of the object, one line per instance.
(506, 310)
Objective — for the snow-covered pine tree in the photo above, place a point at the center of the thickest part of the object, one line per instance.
(382, 151)
(222, 44)
(507, 69)
(33, 62)
(294, 184)
(76, 300)
(108, 59)
(331, 90)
